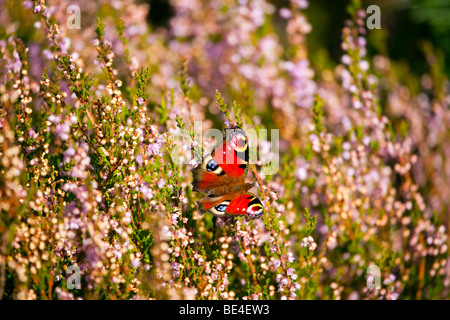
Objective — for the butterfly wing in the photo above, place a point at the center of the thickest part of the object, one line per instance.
(232, 205)
(208, 176)
(227, 164)
(232, 156)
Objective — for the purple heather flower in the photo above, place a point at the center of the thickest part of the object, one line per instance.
(53, 118)
(63, 130)
(302, 83)
(161, 183)
(68, 154)
(345, 59)
(139, 159)
(135, 263)
(154, 148)
(276, 263)
(302, 4)
(146, 192)
(65, 44)
(16, 65)
(32, 134)
(27, 4)
(285, 13)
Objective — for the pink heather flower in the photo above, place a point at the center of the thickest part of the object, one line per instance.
(304, 242)
(363, 65)
(127, 217)
(268, 47)
(394, 295)
(357, 104)
(290, 257)
(146, 192)
(290, 271)
(139, 159)
(73, 119)
(135, 263)
(27, 4)
(95, 42)
(62, 131)
(247, 71)
(161, 183)
(278, 279)
(17, 64)
(32, 134)
(241, 256)
(302, 83)
(345, 59)
(48, 54)
(65, 44)
(302, 174)
(37, 9)
(285, 13)
(276, 263)
(154, 148)
(140, 101)
(54, 119)
(361, 14)
(302, 4)
(361, 42)
(366, 140)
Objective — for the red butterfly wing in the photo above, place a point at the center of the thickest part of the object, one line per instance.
(226, 157)
(232, 155)
(245, 203)
(237, 204)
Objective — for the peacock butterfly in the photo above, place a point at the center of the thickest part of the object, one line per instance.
(222, 174)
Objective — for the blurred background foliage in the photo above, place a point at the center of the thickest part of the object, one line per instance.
(405, 25)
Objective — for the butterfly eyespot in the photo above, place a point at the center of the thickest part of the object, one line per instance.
(255, 210)
(212, 165)
(238, 141)
(221, 207)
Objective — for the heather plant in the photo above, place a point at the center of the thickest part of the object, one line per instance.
(98, 137)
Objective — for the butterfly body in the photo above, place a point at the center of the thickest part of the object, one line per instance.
(221, 175)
